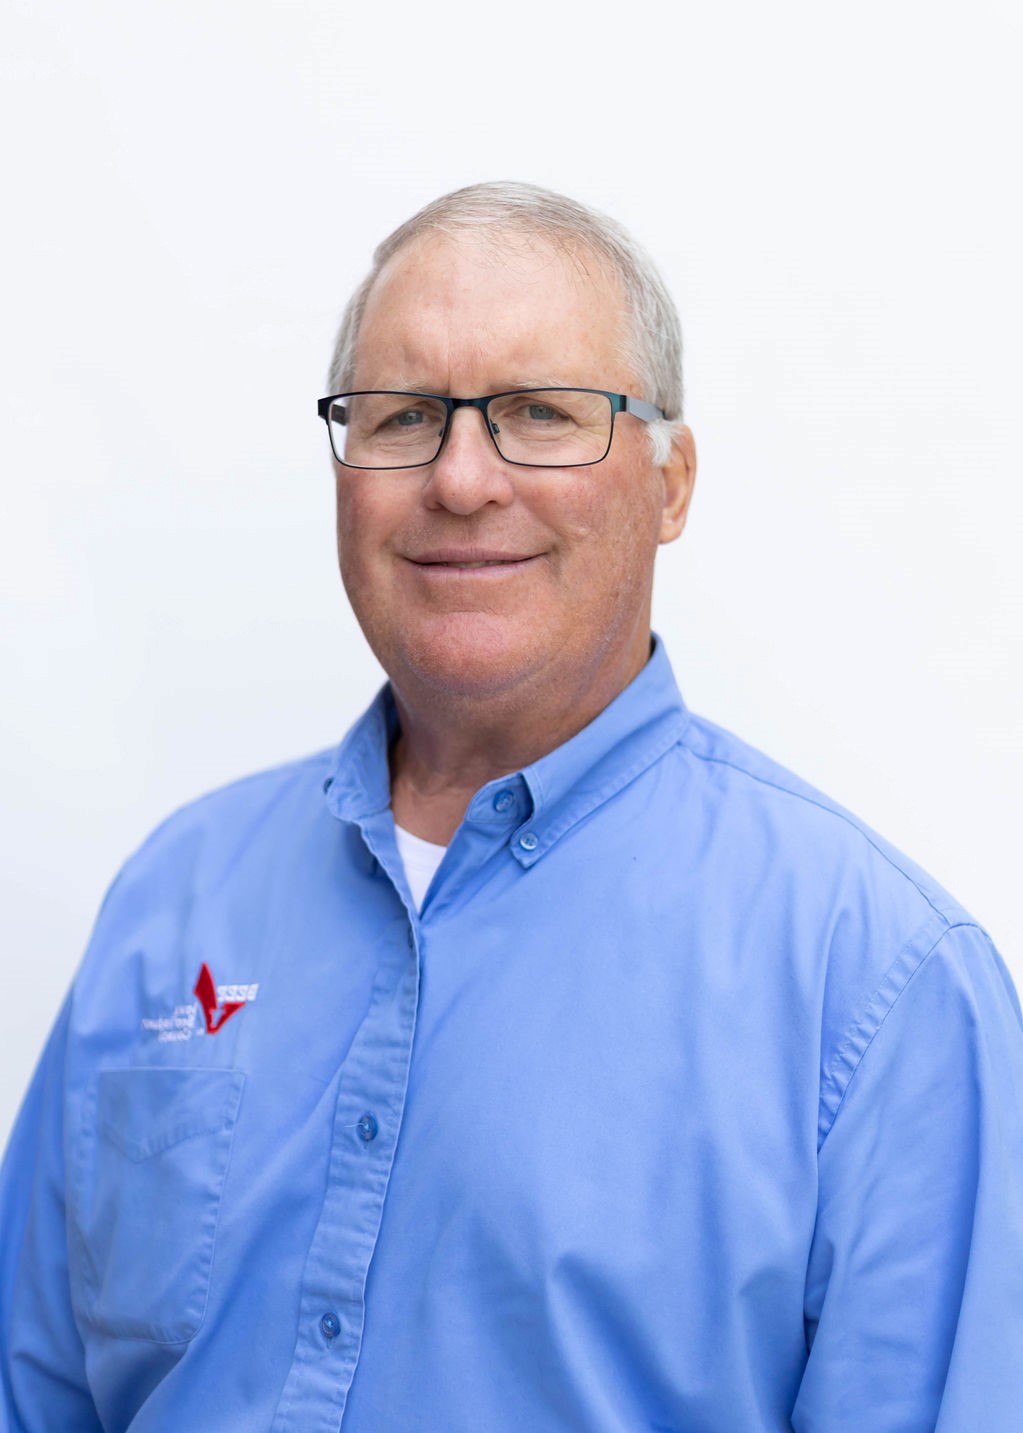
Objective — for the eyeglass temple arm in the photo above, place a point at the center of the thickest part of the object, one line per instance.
(640, 408)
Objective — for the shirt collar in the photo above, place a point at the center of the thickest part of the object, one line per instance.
(551, 795)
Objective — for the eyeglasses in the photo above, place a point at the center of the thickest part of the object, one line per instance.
(531, 427)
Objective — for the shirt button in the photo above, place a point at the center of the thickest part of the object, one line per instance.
(529, 841)
(367, 1128)
(411, 939)
(330, 1325)
(504, 801)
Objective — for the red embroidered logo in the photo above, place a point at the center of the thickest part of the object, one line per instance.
(216, 1013)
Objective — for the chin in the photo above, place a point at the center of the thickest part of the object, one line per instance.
(468, 655)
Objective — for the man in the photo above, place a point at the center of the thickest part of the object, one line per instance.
(544, 1058)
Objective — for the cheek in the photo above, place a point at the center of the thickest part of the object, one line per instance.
(357, 548)
(580, 511)
(345, 528)
(363, 521)
(613, 528)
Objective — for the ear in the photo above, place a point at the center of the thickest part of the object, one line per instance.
(679, 474)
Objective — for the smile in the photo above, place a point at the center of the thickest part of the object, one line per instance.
(476, 566)
(442, 563)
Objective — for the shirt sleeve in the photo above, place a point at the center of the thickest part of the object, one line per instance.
(42, 1366)
(914, 1296)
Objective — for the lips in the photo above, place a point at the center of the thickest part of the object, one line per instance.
(461, 560)
(463, 566)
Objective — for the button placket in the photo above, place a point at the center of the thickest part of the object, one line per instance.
(358, 1171)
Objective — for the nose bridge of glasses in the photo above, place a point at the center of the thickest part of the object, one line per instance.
(481, 405)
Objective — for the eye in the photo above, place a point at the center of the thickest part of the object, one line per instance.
(388, 419)
(535, 413)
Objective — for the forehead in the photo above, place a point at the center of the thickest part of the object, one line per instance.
(489, 311)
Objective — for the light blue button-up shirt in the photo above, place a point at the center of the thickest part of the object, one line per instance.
(685, 1104)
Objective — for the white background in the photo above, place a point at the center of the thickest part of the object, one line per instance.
(191, 192)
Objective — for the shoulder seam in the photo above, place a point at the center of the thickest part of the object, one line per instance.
(862, 1033)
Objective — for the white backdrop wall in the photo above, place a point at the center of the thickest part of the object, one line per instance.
(193, 189)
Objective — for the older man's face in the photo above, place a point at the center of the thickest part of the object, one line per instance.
(474, 577)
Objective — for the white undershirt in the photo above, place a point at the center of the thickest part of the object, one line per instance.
(420, 859)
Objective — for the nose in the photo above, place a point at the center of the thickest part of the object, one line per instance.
(469, 472)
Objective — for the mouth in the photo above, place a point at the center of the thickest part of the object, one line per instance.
(439, 563)
(477, 566)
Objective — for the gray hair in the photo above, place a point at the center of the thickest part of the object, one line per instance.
(652, 347)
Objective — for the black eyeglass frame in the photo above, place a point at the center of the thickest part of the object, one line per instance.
(620, 403)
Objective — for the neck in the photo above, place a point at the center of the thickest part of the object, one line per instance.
(449, 746)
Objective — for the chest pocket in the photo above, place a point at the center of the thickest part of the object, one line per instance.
(147, 1208)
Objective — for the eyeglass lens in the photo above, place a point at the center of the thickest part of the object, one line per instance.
(542, 427)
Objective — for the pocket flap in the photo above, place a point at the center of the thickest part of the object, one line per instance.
(144, 1111)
